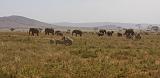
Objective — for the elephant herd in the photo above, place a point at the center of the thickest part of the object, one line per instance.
(129, 33)
(102, 32)
(48, 31)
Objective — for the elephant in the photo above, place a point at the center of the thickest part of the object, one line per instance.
(102, 31)
(59, 33)
(110, 33)
(138, 36)
(34, 31)
(129, 33)
(119, 34)
(48, 31)
(65, 40)
(77, 32)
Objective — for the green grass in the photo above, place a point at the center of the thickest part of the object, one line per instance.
(90, 56)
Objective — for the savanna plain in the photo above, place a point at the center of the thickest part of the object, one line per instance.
(90, 56)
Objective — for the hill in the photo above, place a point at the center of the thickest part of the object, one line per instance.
(15, 21)
(21, 22)
(104, 25)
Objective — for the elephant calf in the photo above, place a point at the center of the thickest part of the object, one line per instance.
(119, 34)
(138, 37)
(65, 40)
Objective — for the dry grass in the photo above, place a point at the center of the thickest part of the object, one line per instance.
(90, 56)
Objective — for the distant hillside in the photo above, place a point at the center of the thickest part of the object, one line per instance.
(20, 22)
(105, 25)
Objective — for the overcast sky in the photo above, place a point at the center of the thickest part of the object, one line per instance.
(129, 11)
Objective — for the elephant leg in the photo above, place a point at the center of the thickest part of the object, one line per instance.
(32, 34)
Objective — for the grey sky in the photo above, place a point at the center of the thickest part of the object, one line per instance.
(132, 11)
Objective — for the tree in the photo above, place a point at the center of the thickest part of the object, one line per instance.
(12, 29)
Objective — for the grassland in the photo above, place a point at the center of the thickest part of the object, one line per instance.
(90, 56)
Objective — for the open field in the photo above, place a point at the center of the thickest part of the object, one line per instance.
(90, 56)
